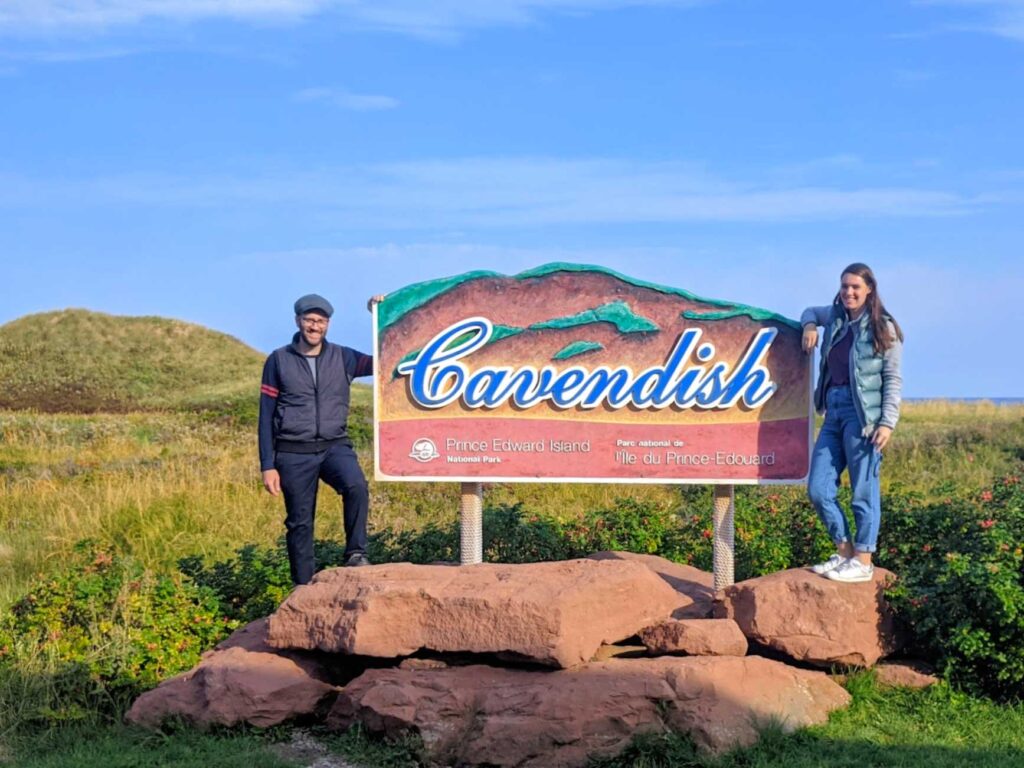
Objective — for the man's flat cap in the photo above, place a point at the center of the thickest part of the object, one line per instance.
(313, 302)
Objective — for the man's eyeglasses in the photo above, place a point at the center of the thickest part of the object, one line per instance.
(314, 322)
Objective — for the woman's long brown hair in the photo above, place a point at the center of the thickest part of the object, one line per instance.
(880, 316)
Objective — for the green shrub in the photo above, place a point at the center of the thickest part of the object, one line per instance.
(253, 583)
(434, 542)
(511, 535)
(775, 528)
(629, 525)
(961, 584)
(103, 630)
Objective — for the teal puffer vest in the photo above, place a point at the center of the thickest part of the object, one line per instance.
(865, 368)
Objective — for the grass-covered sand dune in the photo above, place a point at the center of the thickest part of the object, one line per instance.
(80, 361)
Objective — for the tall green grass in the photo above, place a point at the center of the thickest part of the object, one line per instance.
(159, 486)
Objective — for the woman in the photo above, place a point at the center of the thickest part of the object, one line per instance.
(858, 390)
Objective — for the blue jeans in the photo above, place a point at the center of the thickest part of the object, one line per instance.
(840, 446)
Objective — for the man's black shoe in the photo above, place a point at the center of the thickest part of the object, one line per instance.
(356, 559)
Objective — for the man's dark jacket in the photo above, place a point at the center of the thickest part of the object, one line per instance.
(299, 415)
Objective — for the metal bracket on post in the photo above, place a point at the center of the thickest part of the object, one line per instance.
(471, 524)
(724, 536)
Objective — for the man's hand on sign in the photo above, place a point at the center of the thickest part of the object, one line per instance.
(272, 481)
(810, 340)
(374, 300)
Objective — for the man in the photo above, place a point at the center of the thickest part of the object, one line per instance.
(303, 433)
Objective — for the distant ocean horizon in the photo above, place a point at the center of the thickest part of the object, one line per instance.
(996, 400)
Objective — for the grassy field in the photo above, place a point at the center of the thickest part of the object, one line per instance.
(159, 485)
(163, 485)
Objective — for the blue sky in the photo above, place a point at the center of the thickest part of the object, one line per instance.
(210, 160)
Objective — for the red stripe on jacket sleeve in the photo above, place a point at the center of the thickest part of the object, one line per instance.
(266, 389)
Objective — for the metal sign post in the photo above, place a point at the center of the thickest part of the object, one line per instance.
(724, 536)
(471, 525)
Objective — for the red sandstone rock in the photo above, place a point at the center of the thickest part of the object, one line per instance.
(499, 717)
(242, 681)
(813, 619)
(695, 637)
(555, 613)
(606, 652)
(905, 675)
(422, 664)
(695, 587)
(252, 637)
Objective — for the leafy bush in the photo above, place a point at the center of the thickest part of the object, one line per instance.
(961, 585)
(253, 583)
(629, 525)
(512, 535)
(105, 629)
(775, 528)
(431, 543)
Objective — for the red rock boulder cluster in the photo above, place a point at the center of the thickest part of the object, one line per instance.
(544, 664)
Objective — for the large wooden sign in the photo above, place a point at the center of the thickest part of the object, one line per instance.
(577, 373)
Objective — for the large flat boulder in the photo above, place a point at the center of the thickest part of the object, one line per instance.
(695, 588)
(556, 614)
(479, 715)
(812, 619)
(241, 681)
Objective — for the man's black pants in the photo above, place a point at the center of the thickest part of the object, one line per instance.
(300, 476)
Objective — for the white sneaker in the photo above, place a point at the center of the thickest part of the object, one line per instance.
(829, 565)
(851, 572)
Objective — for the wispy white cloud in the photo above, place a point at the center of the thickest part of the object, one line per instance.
(339, 97)
(999, 17)
(97, 14)
(64, 55)
(448, 18)
(438, 18)
(473, 193)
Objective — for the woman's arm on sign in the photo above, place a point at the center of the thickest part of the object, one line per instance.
(810, 319)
